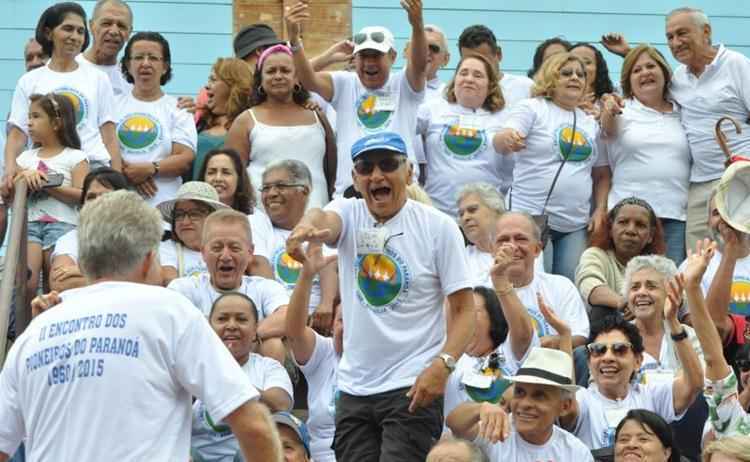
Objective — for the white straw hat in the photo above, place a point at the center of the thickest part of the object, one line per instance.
(733, 196)
(545, 366)
(192, 191)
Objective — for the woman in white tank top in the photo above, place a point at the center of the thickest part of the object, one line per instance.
(278, 126)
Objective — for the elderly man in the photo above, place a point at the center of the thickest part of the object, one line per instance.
(542, 391)
(285, 192)
(33, 55)
(106, 349)
(456, 450)
(557, 291)
(438, 57)
(373, 98)
(399, 261)
(227, 250)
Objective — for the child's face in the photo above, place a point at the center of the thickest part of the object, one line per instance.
(41, 126)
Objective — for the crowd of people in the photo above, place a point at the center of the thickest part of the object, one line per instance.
(366, 264)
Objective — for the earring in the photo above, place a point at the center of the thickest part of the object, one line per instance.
(261, 91)
(297, 88)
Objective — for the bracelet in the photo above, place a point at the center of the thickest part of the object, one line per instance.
(680, 335)
(504, 291)
(295, 48)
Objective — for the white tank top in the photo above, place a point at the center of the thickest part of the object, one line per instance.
(305, 143)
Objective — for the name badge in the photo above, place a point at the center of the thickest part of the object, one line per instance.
(614, 416)
(657, 376)
(385, 103)
(476, 380)
(371, 241)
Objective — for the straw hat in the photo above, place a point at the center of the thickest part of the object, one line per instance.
(733, 196)
(192, 191)
(545, 366)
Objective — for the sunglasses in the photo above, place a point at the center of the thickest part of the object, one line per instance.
(434, 49)
(743, 364)
(386, 165)
(377, 37)
(619, 349)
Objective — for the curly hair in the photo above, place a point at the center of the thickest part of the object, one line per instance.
(236, 74)
(548, 76)
(602, 238)
(539, 53)
(495, 101)
(612, 323)
(602, 82)
(258, 95)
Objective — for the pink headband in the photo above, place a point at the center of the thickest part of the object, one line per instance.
(280, 48)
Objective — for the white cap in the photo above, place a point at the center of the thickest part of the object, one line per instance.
(373, 38)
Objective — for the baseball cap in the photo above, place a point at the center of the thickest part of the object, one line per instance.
(373, 38)
(299, 427)
(252, 37)
(381, 141)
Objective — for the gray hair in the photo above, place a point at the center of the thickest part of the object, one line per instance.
(102, 3)
(298, 171)
(437, 30)
(698, 16)
(658, 263)
(475, 453)
(536, 232)
(488, 194)
(115, 233)
(227, 216)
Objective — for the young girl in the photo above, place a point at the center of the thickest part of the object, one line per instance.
(57, 150)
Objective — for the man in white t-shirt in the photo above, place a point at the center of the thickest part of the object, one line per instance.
(543, 391)
(227, 250)
(371, 99)
(556, 291)
(120, 369)
(398, 262)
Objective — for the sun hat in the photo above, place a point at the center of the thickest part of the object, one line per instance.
(299, 427)
(733, 196)
(545, 366)
(252, 37)
(192, 191)
(373, 38)
(381, 141)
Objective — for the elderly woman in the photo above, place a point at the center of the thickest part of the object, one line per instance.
(455, 131)
(234, 318)
(278, 126)
(63, 33)
(228, 91)
(647, 148)
(64, 272)
(181, 255)
(644, 435)
(549, 132)
(157, 140)
(632, 229)
(223, 170)
(285, 192)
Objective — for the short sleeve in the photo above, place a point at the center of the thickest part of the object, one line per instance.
(513, 363)
(263, 237)
(204, 366)
(591, 272)
(451, 258)
(405, 89)
(19, 107)
(521, 116)
(183, 130)
(105, 102)
(184, 286)
(274, 296)
(568, 302)
(12, 428)
(341, 207)
(321, 351)
(582, 397)
(275, 376)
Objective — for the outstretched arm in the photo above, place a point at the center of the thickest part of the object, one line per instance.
(719, 292)
(520, 326)
(416, 71)
(318, 82)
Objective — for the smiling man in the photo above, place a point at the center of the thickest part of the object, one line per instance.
(399, 260)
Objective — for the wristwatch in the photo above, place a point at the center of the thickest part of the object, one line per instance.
(449, 361)
(295, 48)
(680, 335)
(156, 167)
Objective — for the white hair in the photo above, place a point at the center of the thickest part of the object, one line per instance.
(488, 194)
(658, 263)
(115, 233)
(102, 3)
(437, 30)
(298, 171)
(698, 16)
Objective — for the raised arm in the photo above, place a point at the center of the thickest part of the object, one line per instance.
(719, 292)
(469, 420)
(416, 71)
(520, 326)
(616, 43)
(318, 82)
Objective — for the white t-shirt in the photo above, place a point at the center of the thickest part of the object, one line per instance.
(562, 296)
(106, 376)
(561, 447)
(515, 88)
(668, 361)
(213, 440)
(433, 90)
(192, 260)
(88, 89)
(66, 245)
(267, 295)
(458, 149)
(462, 385)
(392, 295)
(360, 111)
(599, 416)
(548, 131)
(723, 89)
(740, 292)
(120, 86)
(147, 130)
(263, 236)
(320, 371)
(42, 206)
(480, 265)
(650, 159)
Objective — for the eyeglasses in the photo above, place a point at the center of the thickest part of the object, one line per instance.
(386, 165)
(192, 215)
(743, 364)
(619, 349)
(141, 58)
(434, 49)
(280, 186)
(377, 37)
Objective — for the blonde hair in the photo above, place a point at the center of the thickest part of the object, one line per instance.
(737, 447)
(416, 193)
(495, 100)
(548, 76)
(629, 63)
(237, 74)
(227, 217)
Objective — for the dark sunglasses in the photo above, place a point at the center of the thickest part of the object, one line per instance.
(434, 49)
(386, 165)
(598, 349)
(743, 364)
(377, 37)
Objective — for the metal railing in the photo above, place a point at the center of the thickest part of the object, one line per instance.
(15, 275)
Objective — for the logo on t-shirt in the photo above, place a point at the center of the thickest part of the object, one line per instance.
(374, 111)
(494, 393)
(138, 133)
(537, 320)
(463, 143)
(580, 145)
(286, 268)
(740, 296)
(80, 105)
(383, 280)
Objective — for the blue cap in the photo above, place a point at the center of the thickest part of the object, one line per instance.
(299, 427)
(381, 141)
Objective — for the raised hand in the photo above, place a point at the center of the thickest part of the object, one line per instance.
(313, 260)
(340, 52)
(301, 234)
(615, 43)
(675, 288)
(698, 260)
(414, 10)
(494, 423)
(294, 16)
(732, 240)
(557, 323)
(502, 259)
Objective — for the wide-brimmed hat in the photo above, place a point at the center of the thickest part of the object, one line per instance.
(299, 427)
(192, 191)
(545, 366)
(733, 196)
(252, 37)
